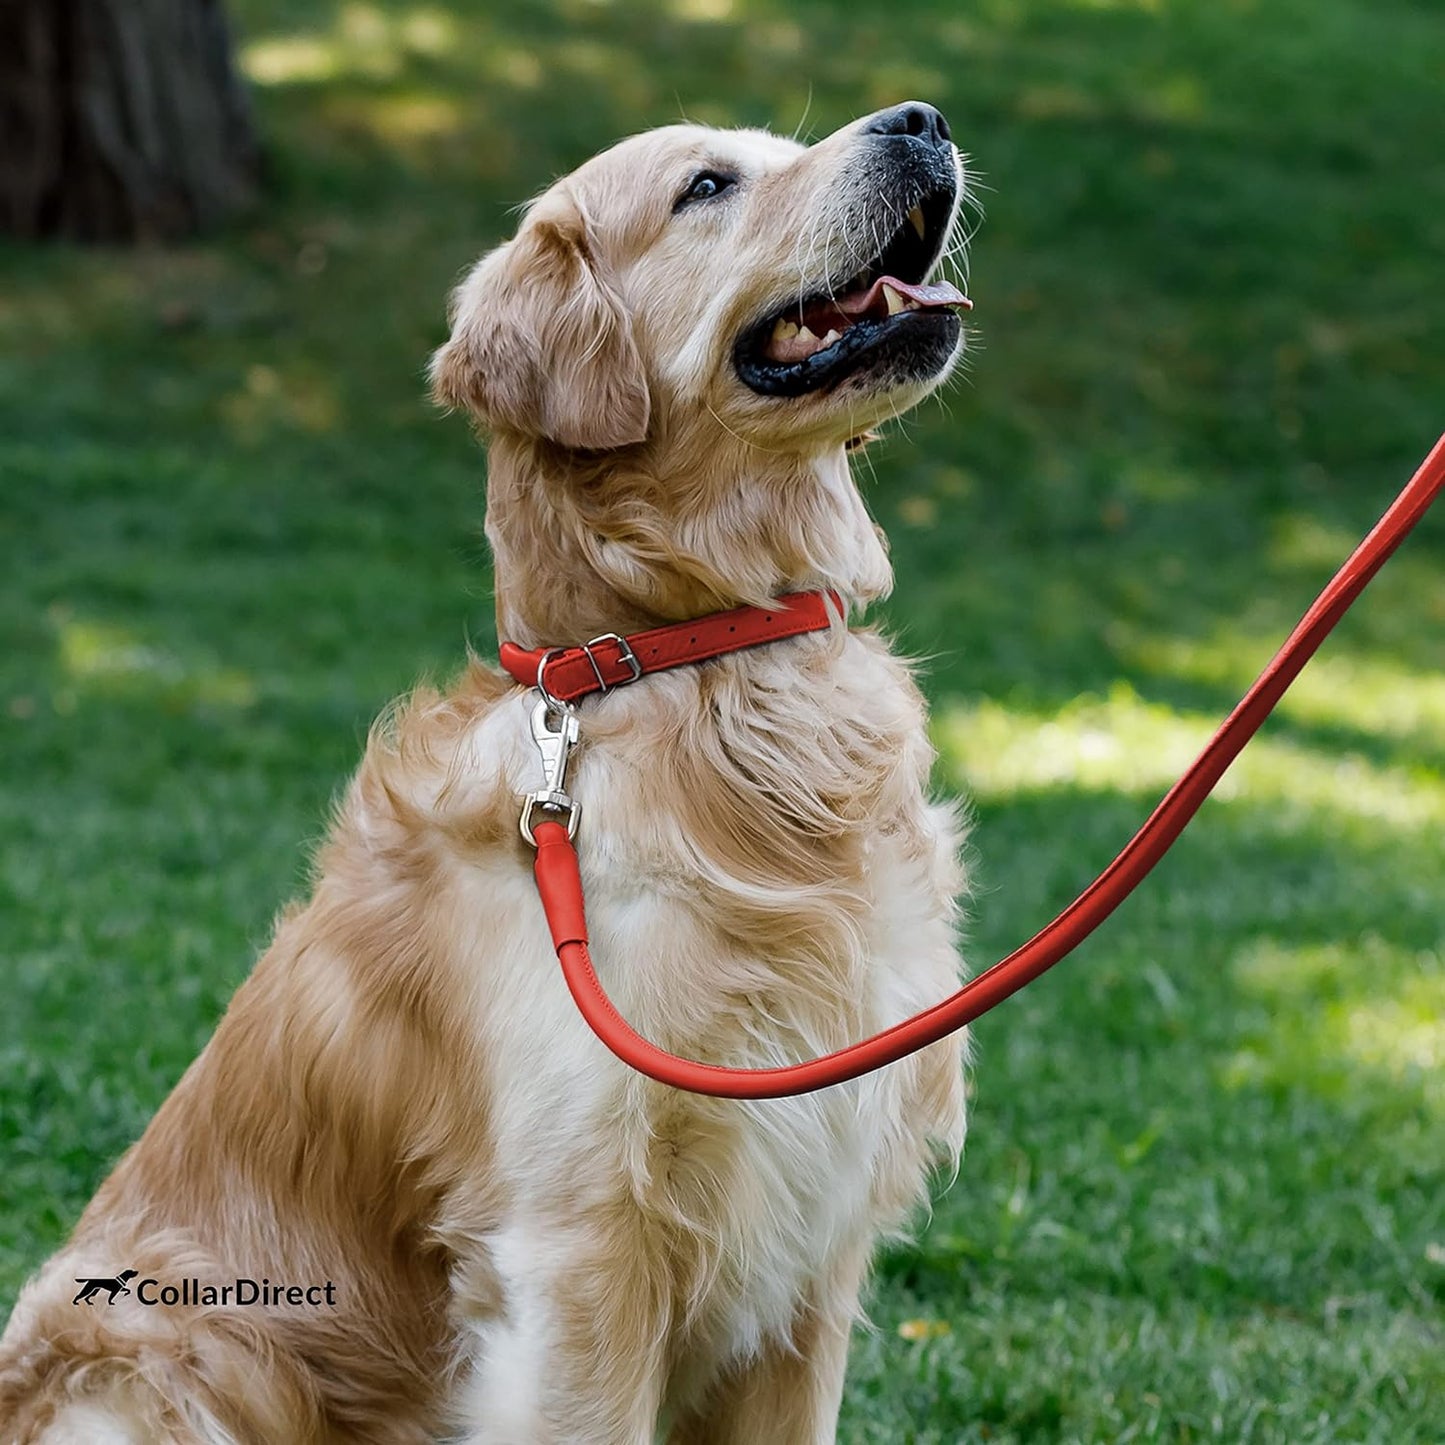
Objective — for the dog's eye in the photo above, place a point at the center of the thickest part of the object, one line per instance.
(704, 186)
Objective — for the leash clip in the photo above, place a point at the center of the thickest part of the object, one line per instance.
(555, 745)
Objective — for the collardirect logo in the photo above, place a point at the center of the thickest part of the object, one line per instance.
(190, 1292)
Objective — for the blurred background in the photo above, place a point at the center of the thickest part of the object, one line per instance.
(1204, 1196)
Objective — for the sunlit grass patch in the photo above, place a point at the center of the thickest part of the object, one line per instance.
(1378, 695)
(364, 41)
(1345, 1013)
(104, 659)
(265, 400)
(287, 60)
(401, 119)
(1121, 743)
(705, 11)
(1404, 1034)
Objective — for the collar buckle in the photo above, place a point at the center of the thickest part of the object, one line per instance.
(624, 654)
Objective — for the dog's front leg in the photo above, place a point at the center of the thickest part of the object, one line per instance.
(784, 1396)
(790, 1391)
(569, 1351)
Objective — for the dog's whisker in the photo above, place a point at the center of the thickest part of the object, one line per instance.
(803, 119)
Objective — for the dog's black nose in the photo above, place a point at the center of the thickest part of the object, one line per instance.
(915, 118)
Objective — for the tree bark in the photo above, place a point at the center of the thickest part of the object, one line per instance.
(120, 120)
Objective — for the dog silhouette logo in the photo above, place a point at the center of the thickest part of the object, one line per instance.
(113, 1288)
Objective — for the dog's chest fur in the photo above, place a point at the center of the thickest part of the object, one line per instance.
(766, 881)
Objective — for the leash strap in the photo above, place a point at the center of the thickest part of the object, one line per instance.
(560, 884)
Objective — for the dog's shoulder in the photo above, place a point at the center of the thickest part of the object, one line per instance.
(442, 762)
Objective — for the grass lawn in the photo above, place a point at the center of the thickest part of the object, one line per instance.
(1204, 1196)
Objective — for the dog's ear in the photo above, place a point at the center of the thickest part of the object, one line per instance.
(541, 344)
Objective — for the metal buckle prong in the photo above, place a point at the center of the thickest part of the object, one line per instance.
(624, 654)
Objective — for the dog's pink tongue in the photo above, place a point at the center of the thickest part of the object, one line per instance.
(933, 293)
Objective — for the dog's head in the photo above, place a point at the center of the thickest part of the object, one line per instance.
(696, 278)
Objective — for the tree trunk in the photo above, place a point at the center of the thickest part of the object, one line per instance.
(120, 120)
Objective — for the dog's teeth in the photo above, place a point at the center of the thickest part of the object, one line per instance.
(916, 216)
(785, 330)
(894, 299)
(831, 337)
(805, 335)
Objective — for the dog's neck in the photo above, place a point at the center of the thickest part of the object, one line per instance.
(586, 545)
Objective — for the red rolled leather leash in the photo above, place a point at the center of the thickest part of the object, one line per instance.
(560, 883)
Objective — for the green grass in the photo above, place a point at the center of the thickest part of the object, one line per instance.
(1204, 1196)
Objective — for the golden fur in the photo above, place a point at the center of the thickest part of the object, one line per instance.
(530, 1243)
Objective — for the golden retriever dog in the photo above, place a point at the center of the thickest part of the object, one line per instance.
(404, 1195)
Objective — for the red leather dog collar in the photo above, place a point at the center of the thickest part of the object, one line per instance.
(568, 673)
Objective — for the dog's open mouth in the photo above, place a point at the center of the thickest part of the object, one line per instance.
(815, 341)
